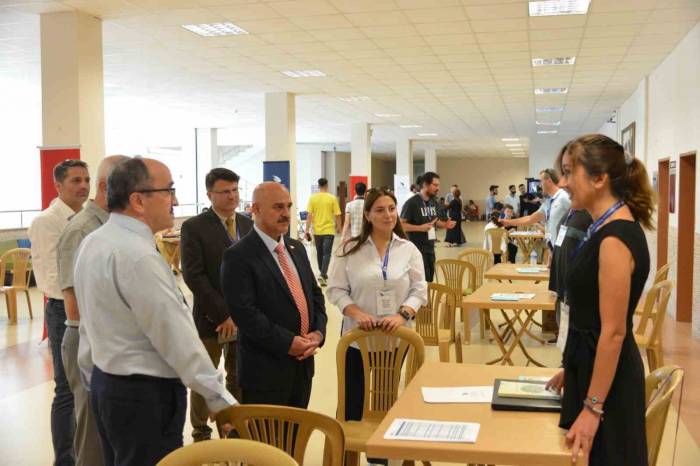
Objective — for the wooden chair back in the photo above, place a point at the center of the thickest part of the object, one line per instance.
(21, 267)
(497, 236)
(383, 356)
(481, 259)
(286, 428)
(428, 321)
(453, 272)
(655, 304)
(660, 386)
(228, 452)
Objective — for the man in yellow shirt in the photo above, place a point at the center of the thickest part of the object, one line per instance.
(324, 215)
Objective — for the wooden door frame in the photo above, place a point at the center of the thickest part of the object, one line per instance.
(686, 235)
(662, 213)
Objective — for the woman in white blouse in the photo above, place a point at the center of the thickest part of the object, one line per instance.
(377, 281)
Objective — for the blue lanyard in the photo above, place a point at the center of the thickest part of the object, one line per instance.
(594, 226)
(385, 265)
(549, 207)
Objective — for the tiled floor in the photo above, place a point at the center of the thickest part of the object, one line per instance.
(26, 388)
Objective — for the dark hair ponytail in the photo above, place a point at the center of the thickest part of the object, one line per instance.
(636, 191)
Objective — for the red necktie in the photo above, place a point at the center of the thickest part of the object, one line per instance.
(295, 287)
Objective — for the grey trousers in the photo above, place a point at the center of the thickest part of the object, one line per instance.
(86, 443)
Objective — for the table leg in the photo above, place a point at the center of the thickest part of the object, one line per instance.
(518, 338)
(496, 336)
(527, 329)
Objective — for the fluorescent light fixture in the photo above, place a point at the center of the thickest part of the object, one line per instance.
(549, 109)
(410, 126)
(556, 61)
(554, 131)
(559, 7)
(304, 73)
(387, 115)
(423, 135)
(215, 29)
(548, 123)
(551, 90)
(356, 98)
(514, 145)
(510, 139)
(516, 149)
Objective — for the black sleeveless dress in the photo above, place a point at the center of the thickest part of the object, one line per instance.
(621, 438)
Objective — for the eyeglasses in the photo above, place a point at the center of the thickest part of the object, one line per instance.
(171, 191)
(226, 192)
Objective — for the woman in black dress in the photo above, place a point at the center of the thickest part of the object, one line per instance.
(454, 236)
(603, 377)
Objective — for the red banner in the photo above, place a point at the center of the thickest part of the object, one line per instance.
(353, 181)
(49, 158)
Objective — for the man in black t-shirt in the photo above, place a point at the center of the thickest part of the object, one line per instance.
(419, 217)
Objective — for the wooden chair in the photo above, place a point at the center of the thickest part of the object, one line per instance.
(661, 275)
(660, 386)
(451, 272)
(482, 260)
(286, 428)
(21, 275)
(227, 451)
(655, 304)
(383, 356)
(434, 330)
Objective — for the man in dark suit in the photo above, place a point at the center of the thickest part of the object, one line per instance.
(204, 240)
(272, 295)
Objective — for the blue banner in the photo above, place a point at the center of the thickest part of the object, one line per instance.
(277, 171)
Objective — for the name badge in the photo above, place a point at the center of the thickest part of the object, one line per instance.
(386, 302)
(431, 233)
(561, 236)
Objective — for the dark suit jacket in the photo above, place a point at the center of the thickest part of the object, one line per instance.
(259, 300)
(202, 244)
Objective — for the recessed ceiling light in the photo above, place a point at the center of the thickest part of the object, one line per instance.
(387, 115)
(559, 7)
(215, 29)
(553, 61)
(514, 145)
(548, 132)
(423, 135)
(520, 156)
(410, 126)
(357, 98)
(304, 73)
(510, 139)
(548, 123)
(551, 90)
(549, 109)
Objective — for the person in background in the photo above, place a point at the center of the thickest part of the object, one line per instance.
(472, 210)
(72, 183)
(491, 200)
(455, 236)
(270, 291)
(603, 375)
(204, 239)
(419, 217)
(140, 342)
(324, 214)
(380, 254)
(528, 202)
(450, 195)
(508, 213)
(494, 223)
(86, 444)
(513, 199)
(353, 212)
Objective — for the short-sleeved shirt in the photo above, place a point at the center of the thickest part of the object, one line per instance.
(418, 211)
(82, 224)
(490, 204)
(324, 208)
(576, 227)
(354, 209)
(555, 209)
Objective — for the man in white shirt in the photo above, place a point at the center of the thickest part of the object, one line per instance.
(138, 338)
(513, 199)
(354, 211)
(72, 182)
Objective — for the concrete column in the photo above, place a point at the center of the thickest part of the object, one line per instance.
(72, 85)
(280, 140)
(404, 158)
(361, 151)
(431, 160)
(207, 158)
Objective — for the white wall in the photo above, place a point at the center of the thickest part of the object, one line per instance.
(634, 110)
(383, 172)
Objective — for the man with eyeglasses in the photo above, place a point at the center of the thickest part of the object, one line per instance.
(140, 344)
(72, 183)
(204, 239)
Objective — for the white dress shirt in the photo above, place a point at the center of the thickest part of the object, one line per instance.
(133, 317)
(44, 233)
(356, 279)
(555, 209)
(514, 201)
(271, 244)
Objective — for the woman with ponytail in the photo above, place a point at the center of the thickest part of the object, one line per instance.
(603, 375)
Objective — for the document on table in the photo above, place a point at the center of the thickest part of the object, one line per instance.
(457, 394)
(531, 269)
(432, 431)
(511, 296)
(533, 378)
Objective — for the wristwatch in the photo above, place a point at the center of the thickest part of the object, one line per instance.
(404, 313)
